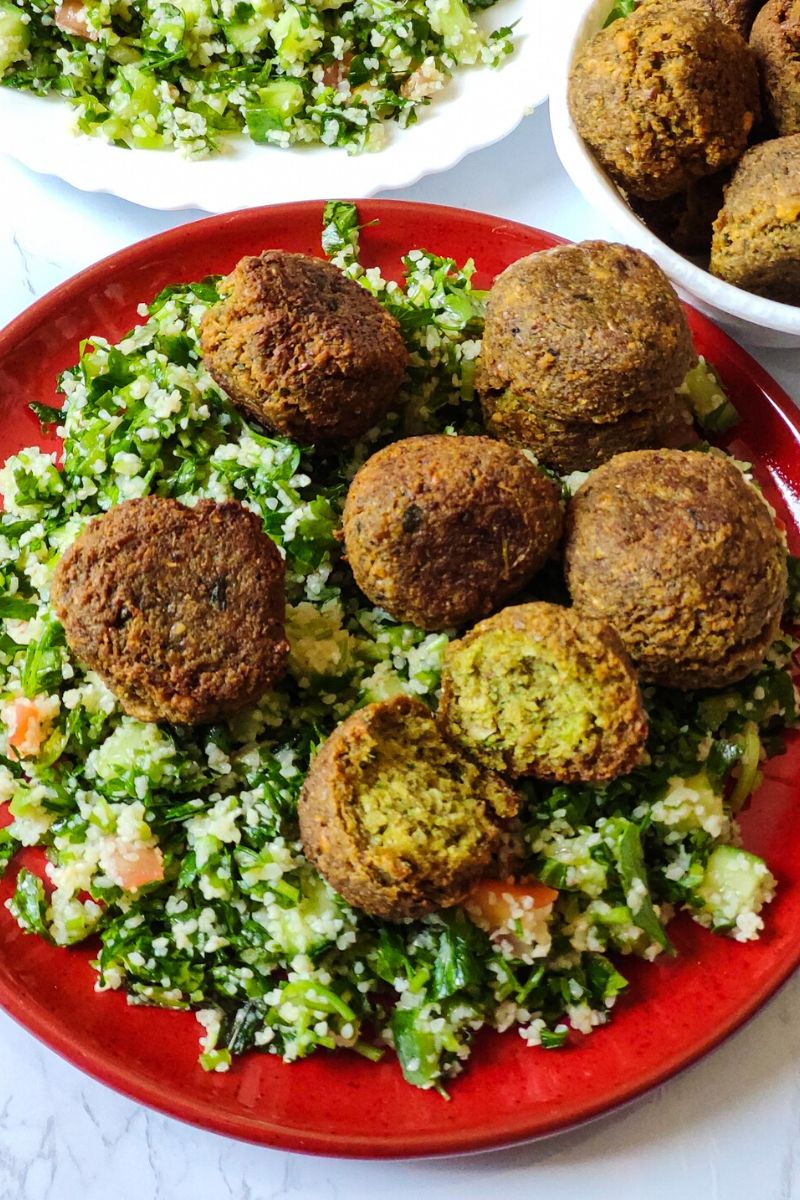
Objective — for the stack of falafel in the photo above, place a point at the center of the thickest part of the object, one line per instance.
(675, 567)
(670, 97)
(584, 348)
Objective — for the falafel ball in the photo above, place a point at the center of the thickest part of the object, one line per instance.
(396, 819)
(737, 13)
(685, 221)
(681, 555)
(543, 690)
(567, 446)
(180, 610)
(440, 530)
(583, 332)
(756, 242)
(775, 41)
(302, 348)
(664, 96)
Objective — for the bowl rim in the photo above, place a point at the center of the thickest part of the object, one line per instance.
(580, 22)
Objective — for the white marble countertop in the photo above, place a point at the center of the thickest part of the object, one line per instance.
(729, 1129)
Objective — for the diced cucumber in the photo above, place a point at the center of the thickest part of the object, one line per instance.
(297, 35)
(706, 395)
(749, 776)
(133, 748)
(310, 924)
(735, 883)
(689, 804)
(134, 102)
(251, 26)
(452, 19)
(280, 100)
(14, 35)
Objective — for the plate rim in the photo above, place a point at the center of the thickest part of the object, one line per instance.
(183, 1107)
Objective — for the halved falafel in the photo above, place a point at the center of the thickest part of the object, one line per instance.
(586, 332)
(396, 819)
(303, 348)
(542, 690)
(681, 555)
(665, 96)
(440, 530)
(180, 610)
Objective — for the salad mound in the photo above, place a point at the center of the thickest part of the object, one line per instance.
(176, 850)
(187, 73)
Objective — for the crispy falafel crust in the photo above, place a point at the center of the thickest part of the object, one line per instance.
(440, 530)
(583, 445)
(681, 555)
(302, 348)
(571, 645)
(737, 13)
(756, 242)
(775, 41)
(180, 610)
(667, 95)
(372, 876)
(585, 332)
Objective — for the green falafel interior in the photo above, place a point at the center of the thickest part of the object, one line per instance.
(235, 924)
(397, 819)
(538, 690)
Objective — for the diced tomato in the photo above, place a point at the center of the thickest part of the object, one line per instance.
(496, 906)
(71, 17)
(132, 871)
(24, 728)
(336, 72)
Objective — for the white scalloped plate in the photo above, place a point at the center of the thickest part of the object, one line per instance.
(480, 106)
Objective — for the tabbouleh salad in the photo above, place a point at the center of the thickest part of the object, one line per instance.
(185, 73)
(242, 930)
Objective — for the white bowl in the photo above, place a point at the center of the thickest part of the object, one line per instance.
(478, 107)
(749, 318)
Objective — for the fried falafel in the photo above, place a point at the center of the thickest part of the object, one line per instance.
(179, 610)
(567, 446)
(685, 221)
(583, 348)
(775, 41)
(440, 530)
(542, 690)
(756, 242)
(738, 14)
(584, 332)
(397, 820)
(665, 96)
(302, 348)
(681, 555)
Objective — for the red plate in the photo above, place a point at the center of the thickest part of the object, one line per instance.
(339, 1104)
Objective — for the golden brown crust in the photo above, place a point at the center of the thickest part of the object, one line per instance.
(588, 332)
(775, 41)
(681, 555)
(303, 348)
(440, 530)
(736, 13)
(358, 867)
(665, 96)
(180, 610)
(756, 241)
(587, 648)
(583, 445)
